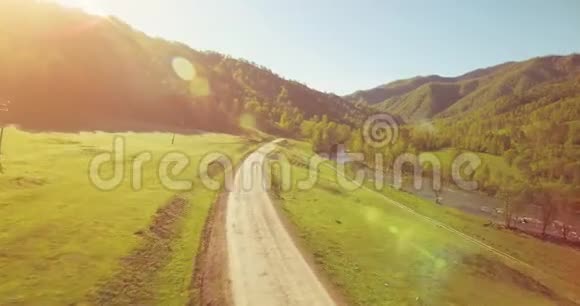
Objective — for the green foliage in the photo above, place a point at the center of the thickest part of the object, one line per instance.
(520, 118)
(325, 134)
(68, 70)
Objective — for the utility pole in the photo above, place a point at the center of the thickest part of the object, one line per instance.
(1, 136)
(3, 108)
(173, 139)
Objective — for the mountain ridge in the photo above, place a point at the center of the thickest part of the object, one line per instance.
(92, 72)
(434, 96)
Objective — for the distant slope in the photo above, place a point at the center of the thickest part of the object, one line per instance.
(64, 69)
(392, 90)
(401, 87)
(508, 84)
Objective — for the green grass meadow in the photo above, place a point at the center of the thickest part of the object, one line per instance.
(379, 254)
(61, 238)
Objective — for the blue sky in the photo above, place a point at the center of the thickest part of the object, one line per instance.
(344, 45)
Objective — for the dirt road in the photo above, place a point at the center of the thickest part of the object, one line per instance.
(266, 267)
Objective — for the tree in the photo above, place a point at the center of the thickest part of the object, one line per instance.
(285, 122)
(507, 195)
(566, 203)
(545, 199)
(307, 128)
(356, 141)
(317, 140)
(483, 175)
(282, 97)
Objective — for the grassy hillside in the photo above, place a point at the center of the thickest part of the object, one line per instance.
(64, 69)
(425, 101)
(64, 241)
(391, 90)
(378, 252)
(520, 118)
(402, 87)
(434, 96)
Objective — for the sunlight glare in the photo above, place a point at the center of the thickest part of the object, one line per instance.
(183, 68)
(199, 87)
(89, 6)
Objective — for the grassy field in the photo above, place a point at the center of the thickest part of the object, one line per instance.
(64, 241)
(497, 165)
(379, 254)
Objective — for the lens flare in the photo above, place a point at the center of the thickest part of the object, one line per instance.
(199, 87)
(183, 68)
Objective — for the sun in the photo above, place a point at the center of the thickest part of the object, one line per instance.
(89, 6)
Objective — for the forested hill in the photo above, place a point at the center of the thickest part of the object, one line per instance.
(64, 69)
(527, 114)
(494, 90)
